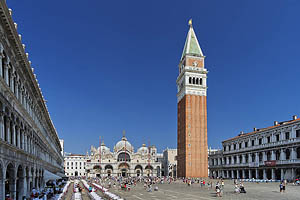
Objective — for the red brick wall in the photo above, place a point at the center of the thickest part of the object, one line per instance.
(192, 137)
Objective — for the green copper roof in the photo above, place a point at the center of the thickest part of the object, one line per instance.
(191, 46)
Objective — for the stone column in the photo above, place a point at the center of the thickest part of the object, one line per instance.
(238, 159)
(243, 158)
(238, 174)
(28, 185)
(8, 129)
(293, 173)
(12, 80)
(232, 174)
(264, 156)
(25, 141)
(256, 173)
(256, 158)
(6, 73)
(13, 134)
(1, 125)
(243, 173)
(19, 137)
(273, 155)
(1, 63)
(12, 188)
(273, 174)
(2, 188)
(282, 174)
(250, 173)
(293, 153)
(282, 154)
(25, 190)
(265, 173)
(17, 89)
(21, 188)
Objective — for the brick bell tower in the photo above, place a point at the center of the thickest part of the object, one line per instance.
(192, 157)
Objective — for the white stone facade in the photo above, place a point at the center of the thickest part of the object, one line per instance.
(191, 80)
(29, 144)
(75, 165)
(268, 153)
(123, 161)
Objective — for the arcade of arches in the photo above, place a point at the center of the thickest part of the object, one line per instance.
(17, 180)
(29, 143)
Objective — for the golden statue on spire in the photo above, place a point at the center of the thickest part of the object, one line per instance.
(124, 133)
(190, 22)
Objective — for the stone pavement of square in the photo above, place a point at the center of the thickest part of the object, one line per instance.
(255, 191)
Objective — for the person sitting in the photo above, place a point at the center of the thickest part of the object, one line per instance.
(242, 188)
(236, 189)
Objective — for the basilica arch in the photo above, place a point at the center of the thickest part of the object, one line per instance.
(97, 170)
(109, 169)
(123, 169)
(138, 170)
(149, 170)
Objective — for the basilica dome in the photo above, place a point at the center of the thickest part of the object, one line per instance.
(143, 149)
(122, 145)
(104, 149)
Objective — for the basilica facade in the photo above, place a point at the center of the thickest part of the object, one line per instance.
(122, 161)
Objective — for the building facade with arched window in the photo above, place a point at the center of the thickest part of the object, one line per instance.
(266, 153)
(29, 144)
(123, 161)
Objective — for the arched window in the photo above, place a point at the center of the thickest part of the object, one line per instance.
(190, 80)
(5, 129)
(277, 155)
(200, 81)
(246, 158)
(287, 154)
(11, 133)
(9, 77)
(253, 157)
(260, 156)
(298, 152)
(268, 155)
(197, 81)
(4, 59)
(123, 157)
(194, 80)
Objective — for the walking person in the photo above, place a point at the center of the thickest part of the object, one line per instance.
(218, 190)
(281, 187)
(284, 185)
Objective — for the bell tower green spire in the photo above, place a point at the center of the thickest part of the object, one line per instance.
(191, 46)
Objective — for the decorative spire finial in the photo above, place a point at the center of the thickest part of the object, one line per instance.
(124, 132)
(190, 22)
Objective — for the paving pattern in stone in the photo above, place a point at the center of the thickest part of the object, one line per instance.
(69, 194)
(255, 191)
(84, 193)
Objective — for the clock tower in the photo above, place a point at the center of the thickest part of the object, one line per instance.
(192, 157)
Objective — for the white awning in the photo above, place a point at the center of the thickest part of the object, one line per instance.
(61, 174)
(50, 176)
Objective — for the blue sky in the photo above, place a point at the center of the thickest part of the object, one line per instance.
(105, 66)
